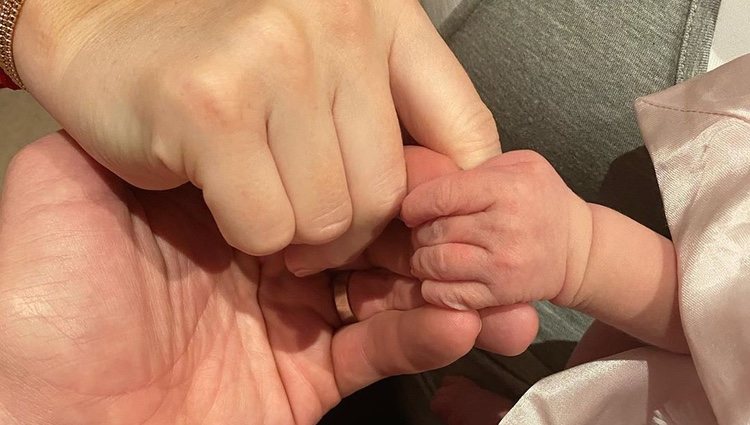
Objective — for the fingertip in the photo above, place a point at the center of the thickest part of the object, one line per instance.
(409, 217)
(456, 330)
(423, 165)
(406, 218)
(297, 262)
(407, 212)
(301, 273)
(508, 330)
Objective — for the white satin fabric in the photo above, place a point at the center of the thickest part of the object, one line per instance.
(698, 134)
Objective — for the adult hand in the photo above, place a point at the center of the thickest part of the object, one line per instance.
(119, 305)
(507, 329)
(284, 112)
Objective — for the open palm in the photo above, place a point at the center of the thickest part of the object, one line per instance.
(121, 306)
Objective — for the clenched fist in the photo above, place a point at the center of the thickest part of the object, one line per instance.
(507, 232)
(285, 113)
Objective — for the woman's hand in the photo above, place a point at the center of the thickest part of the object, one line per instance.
(119, 305)
(285, 113)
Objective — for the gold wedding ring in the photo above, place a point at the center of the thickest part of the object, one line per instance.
(341, 298)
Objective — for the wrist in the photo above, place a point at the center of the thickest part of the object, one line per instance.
(574, 292)
(48, 34)
(630, 281)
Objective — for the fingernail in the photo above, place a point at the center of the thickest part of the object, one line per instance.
(306, 272)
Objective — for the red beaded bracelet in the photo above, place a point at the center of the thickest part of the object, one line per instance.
(6, 82)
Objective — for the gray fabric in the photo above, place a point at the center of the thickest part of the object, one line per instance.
(696, 43)
(439, 10)
(561, 78)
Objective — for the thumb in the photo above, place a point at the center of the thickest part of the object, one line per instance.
(423, 165)
(508, 330)
(434, 96)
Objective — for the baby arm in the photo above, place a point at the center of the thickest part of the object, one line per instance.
(511, 231)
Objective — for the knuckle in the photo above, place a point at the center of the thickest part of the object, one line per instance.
(279, 39)
(508, 198)
(385, 196)
(524, 189)
(440, 259)
(513, 195)
(509, 261)
(478, 133)
(537, 165)
(436, 231)
(481, 125)
(420, 263)
(208, 98)
(210, 94)
(445, 198)
(325, 225)
(488, 225)
(527, 165)
(167, 155)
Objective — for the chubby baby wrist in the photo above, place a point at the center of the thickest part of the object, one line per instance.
(574, 291)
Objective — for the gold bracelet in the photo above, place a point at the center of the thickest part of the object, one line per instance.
(9, 11)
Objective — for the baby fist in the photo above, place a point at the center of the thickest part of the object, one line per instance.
(507, 232)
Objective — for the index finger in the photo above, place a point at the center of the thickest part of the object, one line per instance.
(423, 165)
(455, 194)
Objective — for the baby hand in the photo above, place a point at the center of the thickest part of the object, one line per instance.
(507, 232)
